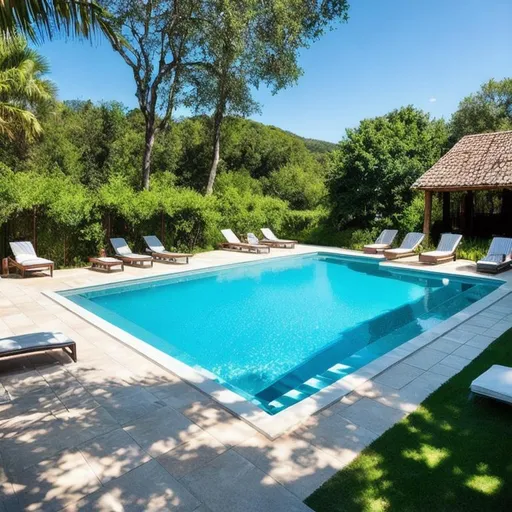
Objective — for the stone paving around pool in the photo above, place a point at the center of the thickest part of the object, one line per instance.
(116, 431)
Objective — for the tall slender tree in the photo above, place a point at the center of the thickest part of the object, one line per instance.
(22, 88)
(250, 42)
(155, 39)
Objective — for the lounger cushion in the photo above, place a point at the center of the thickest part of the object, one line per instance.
(25, 254)
(376, 246)
(496, 382)
(137, 256)
(36, 340)
(399, 250)
(30, 260)
(438, 254)
(230, 236)
(268, 234)
(494, 259)
(154, 244)
(252, 239)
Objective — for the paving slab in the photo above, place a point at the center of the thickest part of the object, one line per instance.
(425, 358)
(162, 431)
(112, 455)
(295, 463)
(372, 415)
(191, 455)
(218, 422)
(56, 482)
(398, 375)
(148, 488)
(336, 436)
(230, 483)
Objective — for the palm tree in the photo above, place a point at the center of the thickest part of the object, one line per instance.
(22, 88)
(37, 19)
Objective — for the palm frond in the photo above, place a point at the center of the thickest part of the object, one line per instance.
(42, 19)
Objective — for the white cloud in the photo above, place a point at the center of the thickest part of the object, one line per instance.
(432, 99)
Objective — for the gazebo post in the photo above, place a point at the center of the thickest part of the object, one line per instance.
(447, 220)
(428, 214)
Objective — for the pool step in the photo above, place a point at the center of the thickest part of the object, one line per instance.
(299, 383)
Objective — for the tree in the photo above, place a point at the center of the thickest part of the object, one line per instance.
(371, 173)
(155, 39)
(37, 19)
(249, 43)
(488, 110)
(22, 88)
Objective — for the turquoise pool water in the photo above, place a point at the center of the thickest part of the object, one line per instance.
(273, 331)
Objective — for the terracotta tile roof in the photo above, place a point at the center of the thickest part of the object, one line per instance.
(475, 162)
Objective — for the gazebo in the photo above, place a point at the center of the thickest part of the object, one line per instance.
(476, 163)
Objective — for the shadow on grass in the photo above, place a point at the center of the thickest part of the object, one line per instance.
(453, 453)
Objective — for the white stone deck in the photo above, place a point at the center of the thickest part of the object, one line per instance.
(115, 431)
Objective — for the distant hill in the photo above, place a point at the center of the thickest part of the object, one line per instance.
(315, 145)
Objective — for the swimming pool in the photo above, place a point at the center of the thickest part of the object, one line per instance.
(278, 331)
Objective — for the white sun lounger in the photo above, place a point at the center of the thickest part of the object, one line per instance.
(124, 253)
(159, 253)
(233, 243)
(407, 247)
(495, 383)
(383, 242)
(498, 258)
(272, 240)
(37, 342)
(26, 260)
(446, 250)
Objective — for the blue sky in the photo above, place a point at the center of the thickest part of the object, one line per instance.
(390, 53)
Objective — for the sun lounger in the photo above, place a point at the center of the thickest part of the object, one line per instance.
(26, 260)
(157, 250)
(233, 243)
(37, 342)
(495, 383)
(124, 253)
(445, 250)
(407, 248)
(271, 240)
(383, 242)
(498, 258)
(105, 263)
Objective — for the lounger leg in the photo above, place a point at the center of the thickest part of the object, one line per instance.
(71, 352)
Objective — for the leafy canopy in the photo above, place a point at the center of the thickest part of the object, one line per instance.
(371, 173)
(488, 110)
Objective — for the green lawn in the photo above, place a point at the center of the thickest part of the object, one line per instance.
(453, 453)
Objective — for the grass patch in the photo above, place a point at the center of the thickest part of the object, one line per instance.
(453, 453)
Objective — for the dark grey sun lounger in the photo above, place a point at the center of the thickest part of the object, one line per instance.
(37, 342)
(498, 258)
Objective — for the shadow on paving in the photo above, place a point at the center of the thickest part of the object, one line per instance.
(124, 434)
(453, 453)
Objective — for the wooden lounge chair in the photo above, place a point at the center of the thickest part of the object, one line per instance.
(407, 248)
(124, 253)
(383, 242)
(158, 252)
(233, 243)
(272, 240)
(105, 263)
(37, 342)
(445, 250)
(498, 258)
(26, 260)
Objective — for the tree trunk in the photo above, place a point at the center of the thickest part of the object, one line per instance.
(217, 122)
(148, 148)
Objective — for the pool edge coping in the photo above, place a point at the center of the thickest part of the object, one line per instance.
(273, 426)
